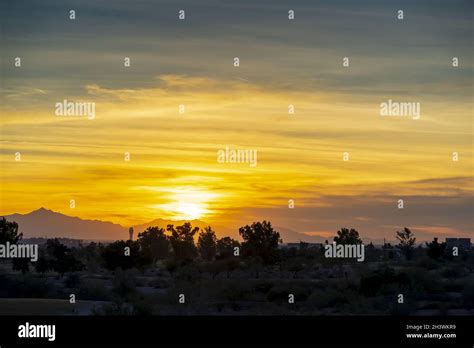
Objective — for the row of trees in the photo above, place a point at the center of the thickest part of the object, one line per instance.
(260, 241)
(260, 244)
(406, 242)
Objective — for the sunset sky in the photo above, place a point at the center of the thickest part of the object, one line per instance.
(174, 173)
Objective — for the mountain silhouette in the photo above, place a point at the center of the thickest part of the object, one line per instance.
(47, 223)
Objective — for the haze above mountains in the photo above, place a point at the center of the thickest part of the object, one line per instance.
(49, 224)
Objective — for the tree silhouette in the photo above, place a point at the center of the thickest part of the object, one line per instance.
(61, 258)
(56, 249)
(435, 249)
(260, 241)
(90, 256)
(230, 265)
(207, 245)
(182, 241)
(21, 264)
(255, 264)
(214, 268)
(225, 247)
(9, 232)
(346, 236)
(295, 265)
(155, 243)
(407, 241)
(114, 255)
(43, 264)
(172, 266)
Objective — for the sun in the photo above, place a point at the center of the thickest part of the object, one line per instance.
(185, 203)
(190, 211)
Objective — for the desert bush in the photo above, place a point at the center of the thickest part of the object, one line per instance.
(236, 291)
(124, 284)
(427, 263)
(424, 282)
(93, 289)
(26, 285)
(123, 309)
(72, 280)
(188, 272)
(160, 283)
(454, 285)
(453, 272)
(327, 298)
(263, 286)
(468, 295)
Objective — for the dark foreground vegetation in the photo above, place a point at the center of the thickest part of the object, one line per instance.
(184, 271)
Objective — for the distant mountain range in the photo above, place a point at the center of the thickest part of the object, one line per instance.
(49, 224)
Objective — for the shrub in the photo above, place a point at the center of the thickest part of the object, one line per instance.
(91, 289)
(72, 280)
(124, 284)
